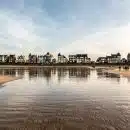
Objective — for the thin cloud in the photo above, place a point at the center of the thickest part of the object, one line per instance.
(102, 43)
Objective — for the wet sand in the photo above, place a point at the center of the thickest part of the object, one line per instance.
(5, 79)
(65, 99)
(125, 73)
(49, 66)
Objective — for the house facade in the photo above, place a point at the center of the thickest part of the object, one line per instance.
(1, 58)
(82, 58)
(128, 57)
(47, 58)
(72, 58)
(54, 61)
(32, 59)
(12, 58)
(4, 58)
(79, 58)
(114, 58)
(62, 59)
(123, 60)
(21, 59)
(101, 60)
(40, 59)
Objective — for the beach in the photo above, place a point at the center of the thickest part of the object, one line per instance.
(5, 79)
(123, 72)
(64, 98)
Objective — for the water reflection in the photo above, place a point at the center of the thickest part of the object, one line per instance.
(128, 78)
(20, 71)
(79, 73)
(107, 75)
(47, 73)
(11, 72)
(76, 100)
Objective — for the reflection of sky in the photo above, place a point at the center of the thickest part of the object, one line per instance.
(42, 98)
(66, 81)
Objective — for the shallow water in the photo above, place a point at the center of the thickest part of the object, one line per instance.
(64, 99)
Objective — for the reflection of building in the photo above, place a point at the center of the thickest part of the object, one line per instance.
(128, 78)
(79, 58)
(79, 72)
(32, 72)
(61, 73)
(11, 72)
(53, 71)
(128, 57)
(62, 59)
(102, 74)
(38, 72)
(20, 71)
(1, 72)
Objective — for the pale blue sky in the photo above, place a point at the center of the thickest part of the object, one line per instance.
(96, 27)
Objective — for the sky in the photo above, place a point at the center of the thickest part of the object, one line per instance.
(95, 27)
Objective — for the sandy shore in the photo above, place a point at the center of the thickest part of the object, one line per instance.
(122, 72)
(57, 66)
(5, 79)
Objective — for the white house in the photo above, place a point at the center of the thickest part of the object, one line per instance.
(62, 59)
(40, 59)
(72, 58)
(32, 58)
(101, 60)
(79, 58)
(21, 59)
(114, 58)
(4, 58)
(47, 58)
(82, 58)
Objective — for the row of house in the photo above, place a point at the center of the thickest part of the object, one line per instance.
(48, 58)
(113, 58)
(45, 59)
(7, 58)
(78, 58)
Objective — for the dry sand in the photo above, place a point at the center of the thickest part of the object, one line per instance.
(4, 79)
